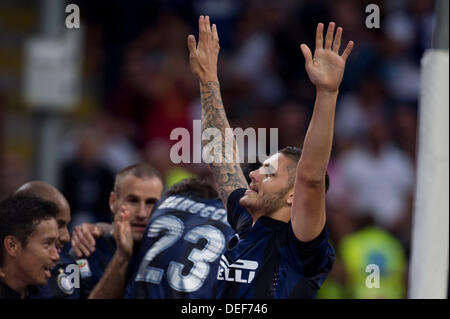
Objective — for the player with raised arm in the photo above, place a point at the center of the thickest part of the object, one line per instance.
(281, 247)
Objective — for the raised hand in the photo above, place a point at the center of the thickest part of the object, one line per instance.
(203, 57)
(122, 232)
(326, 69)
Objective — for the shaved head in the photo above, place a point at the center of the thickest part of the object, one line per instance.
(50, 193)
(44, 191)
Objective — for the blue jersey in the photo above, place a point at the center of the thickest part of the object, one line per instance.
(93, 267)
(181, 250)
(64, 282)
(267, 261)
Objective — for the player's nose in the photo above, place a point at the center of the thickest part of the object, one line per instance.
(254, 175)
(142, 212)
(54, 256)
(64, 236)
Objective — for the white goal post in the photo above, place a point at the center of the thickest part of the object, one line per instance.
(428, 274)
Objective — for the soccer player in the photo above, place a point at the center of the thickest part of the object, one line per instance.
(49, 193)
(136, 190)
(59, 285)
(281, 247)
(28, 235)
(186, 236)
(179, 256)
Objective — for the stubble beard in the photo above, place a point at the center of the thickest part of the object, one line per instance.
(266, 204)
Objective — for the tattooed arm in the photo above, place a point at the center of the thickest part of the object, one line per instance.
(203, 59)
(227, 174)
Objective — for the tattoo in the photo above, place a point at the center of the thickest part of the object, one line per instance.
(228, 176)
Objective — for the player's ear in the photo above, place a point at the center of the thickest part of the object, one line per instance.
(290, 197)
(12, 245)
(112, 201)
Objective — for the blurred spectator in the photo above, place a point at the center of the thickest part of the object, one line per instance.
(13, 173)
(86, 182)
(379, 176)
(405, 129)
(355, 110)
(291, 121)
(407, 34)
(156, 85)
(117, 150)
(252, 62)
(157, 153)
(373, 246)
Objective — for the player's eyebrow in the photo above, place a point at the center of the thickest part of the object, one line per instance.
(48, 239)
(132, 196)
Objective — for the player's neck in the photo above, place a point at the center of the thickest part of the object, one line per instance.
(282, 214)
(12, 279)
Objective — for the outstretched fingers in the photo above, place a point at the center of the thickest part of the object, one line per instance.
(306, 53)
(319, 36)
(205, 32)
(348, 49)
(202, 34)
(207, 25)
(329, 36)
(337, 40)
(192, 44)
(215, 34)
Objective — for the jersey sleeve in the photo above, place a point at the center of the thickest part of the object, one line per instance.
(316, 256)
(238, 217)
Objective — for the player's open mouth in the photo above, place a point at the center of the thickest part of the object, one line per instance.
(253, 188)
(47, 271)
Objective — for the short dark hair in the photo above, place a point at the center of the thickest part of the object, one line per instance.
(294, 154)
(196, 186)
(143, 171)
(19, 216)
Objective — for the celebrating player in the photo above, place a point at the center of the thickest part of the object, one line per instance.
(58, 286)
(281, 247)
(137, 188)
(28, 235)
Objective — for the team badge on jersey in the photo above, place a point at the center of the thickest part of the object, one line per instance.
(85, 270)
(64, 283)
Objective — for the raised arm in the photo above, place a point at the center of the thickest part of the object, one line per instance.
(203, 60)
(325, 71)
(112, 284)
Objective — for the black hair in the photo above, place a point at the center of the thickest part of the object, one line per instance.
(195, 185)
(19, 216)
(294, 153)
